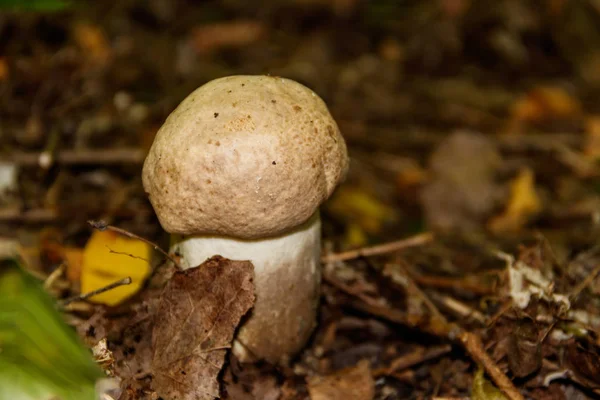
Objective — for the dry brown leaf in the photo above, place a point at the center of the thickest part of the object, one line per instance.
(354, 383)
(196, 319)
(523, 204)
(462, 190)
(216, 36)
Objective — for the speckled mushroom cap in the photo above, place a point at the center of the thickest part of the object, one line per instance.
(244, 156)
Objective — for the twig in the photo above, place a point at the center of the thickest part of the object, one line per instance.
(102, 226)
(81, 297)
(34, 215)
(350, 290)
(472, 343)
(78, 157)
(459, 308)
(413, 358)
(424, 298)
(57, 273)
(413, 241)
(585, 283)
(458, 284)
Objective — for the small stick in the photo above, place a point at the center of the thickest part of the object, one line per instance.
(458, 284)
(413, 358)
(459, 308)
(413, 241)
(36, 215)
(472, 343)
(102, 226)
(85, 296)
(78, 157)
(585, 283)
(57, 273)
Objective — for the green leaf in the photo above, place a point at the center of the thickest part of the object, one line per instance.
(35, 5)
(483, 389)
(40, 356)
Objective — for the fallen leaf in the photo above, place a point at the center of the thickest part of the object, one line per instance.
(353, 383)
(208, 38)
(196, 319)
(41, 356)
(361, 210)
(462, 192)
(109, 257)
(92, 40)
(523, 204)
(545, 103)
(525, 349)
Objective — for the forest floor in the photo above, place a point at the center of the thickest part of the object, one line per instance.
(474, 133)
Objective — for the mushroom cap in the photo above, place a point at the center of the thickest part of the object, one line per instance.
(244, 156)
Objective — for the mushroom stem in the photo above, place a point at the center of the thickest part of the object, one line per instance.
(287, 277)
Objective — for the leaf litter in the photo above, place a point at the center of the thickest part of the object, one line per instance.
(480, 147)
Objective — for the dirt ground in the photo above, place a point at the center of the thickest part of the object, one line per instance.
(460, 254)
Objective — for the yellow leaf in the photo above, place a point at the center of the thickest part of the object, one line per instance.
(109, 257)
(355, 236)
(522, 205)
(483, 389)
(354, 205)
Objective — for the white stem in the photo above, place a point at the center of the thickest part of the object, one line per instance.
(287, 276)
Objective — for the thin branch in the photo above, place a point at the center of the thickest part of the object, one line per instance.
(585, 283)
(54, 276)
(459, 308)
(85, 296)
(472, 343)
(102, 226)
(78, 157)
(413, 358)
(458, 284)
(36, 215)
(413, 241)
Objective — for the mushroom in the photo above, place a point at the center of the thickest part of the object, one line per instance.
(240, 169)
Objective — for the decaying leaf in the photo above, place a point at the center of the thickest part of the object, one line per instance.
(462, 190)
(482, 389)
(523, 204)
(584, 362)
(196, 319)
(525, 349)
(109, 257)
(354, 383)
